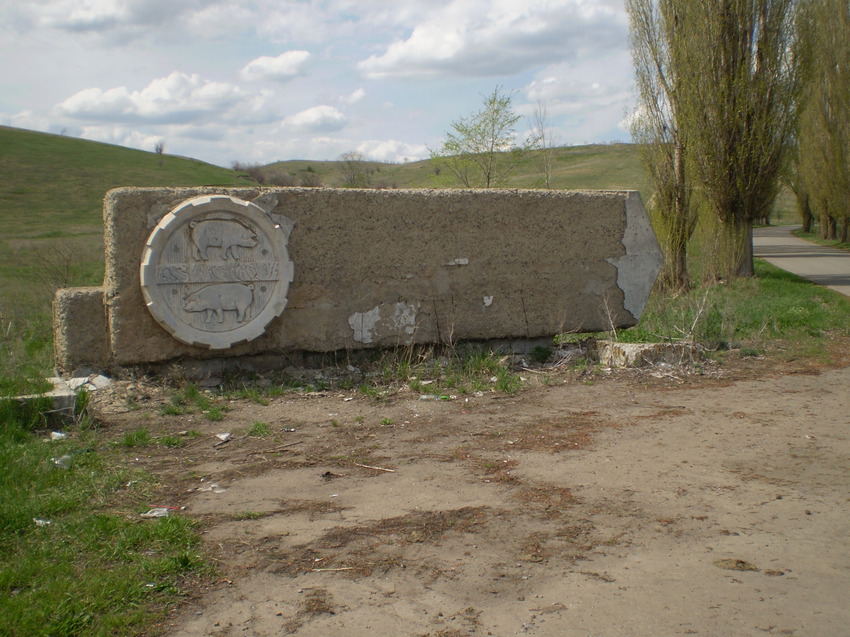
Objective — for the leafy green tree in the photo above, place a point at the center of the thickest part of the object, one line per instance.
(658, 39)
(740, 108)
(823, 129)
(480, 151)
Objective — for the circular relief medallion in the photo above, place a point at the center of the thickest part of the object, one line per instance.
(215, 271)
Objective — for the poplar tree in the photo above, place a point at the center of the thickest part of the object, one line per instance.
(740, 113)
(824, 113)
(658, 37)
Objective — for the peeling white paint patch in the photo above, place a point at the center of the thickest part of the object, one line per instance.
(458, 262)
(639, 267)
(384, 321)
(404, 318)
(363, 324)
(488, 301)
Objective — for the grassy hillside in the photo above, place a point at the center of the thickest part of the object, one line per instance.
(55, 183)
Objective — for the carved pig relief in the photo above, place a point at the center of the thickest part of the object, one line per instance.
(215, 271)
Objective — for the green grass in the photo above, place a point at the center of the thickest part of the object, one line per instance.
(773, 306)
(188, 398)
(433, 371)
(814, 238)
(260, 429)
(75, 558)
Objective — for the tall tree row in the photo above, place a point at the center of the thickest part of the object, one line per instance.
(734, 82)
(823, 130)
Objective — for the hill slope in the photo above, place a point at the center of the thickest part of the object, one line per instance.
(55, 183)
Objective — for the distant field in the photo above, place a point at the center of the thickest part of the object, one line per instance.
(615, 166)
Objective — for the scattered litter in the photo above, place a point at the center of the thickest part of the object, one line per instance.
(223, 439)
(64, 462)
(90, 383)
(329, 475)
(347, 400)
(214, 487)
(434, 397)
(40, 522)
(130, 483)
(58, 435)
(158, 512)
(289, 429)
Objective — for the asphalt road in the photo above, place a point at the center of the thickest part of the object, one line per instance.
(825, 266)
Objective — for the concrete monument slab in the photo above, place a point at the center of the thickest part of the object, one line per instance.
(194, 274)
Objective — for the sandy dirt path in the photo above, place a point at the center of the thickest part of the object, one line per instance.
(630, 505)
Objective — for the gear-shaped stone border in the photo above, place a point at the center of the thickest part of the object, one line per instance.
(176, 221)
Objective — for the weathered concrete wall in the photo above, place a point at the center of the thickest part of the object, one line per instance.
(381, 268)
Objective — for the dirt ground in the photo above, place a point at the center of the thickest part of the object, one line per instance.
(651, 502)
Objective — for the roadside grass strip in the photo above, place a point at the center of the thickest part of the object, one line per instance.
(75, 557)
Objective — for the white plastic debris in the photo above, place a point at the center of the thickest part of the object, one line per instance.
(224, 437)
(63, 463)
(157, 512)
(40, 522)
(214, 487)
(58, 435)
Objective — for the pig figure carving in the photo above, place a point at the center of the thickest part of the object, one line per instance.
(219, 233)
(213, 300)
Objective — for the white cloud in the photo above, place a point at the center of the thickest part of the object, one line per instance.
(468, 37)
(392, 150)
(175, 98)
(281, 68)
(317, 119)
(123, 136)
(587, 102)
(354, 97)
(115, 16)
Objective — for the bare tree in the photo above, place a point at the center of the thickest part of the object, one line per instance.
(659, 38)
(356, 172)
(481, 150)
(544, 139)
(740, 111)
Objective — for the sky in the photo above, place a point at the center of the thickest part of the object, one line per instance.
(258, 81)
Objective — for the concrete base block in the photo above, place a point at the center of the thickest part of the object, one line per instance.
(63, 396)
(80, 334)
(612, 354)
